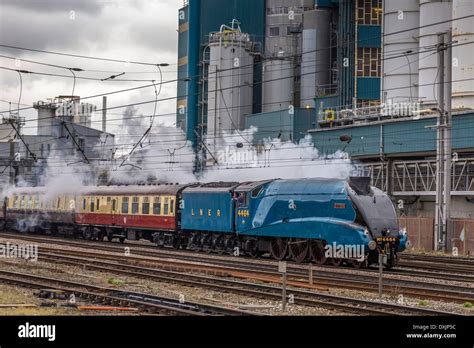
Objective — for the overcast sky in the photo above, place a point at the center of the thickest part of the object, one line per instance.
(130, 30)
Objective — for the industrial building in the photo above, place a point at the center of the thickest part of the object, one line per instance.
(63, 131)
(365, 71)
(303, 54)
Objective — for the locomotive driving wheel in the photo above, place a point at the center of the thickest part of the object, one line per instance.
(251, 248)
(336, 261)
(318, 252)
(298, 249)
(220, 244)
(279, 248)
(358, 264)
(177, 242)
(207, 243)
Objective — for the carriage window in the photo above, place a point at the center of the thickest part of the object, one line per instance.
(146, 205)
(92, 204)
(125, 205)
(166, 206)
(114, 205)
(22, 201)
(98, 204)
(157, 206)
(135, 205)
(171, 206)
(84, 204)
(28, 201)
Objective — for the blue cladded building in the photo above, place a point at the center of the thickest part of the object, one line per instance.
(358, 75)
(196, 20)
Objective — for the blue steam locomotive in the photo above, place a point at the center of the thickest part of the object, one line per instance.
(323, 220)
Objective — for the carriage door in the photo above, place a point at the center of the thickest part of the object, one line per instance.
(113, 210)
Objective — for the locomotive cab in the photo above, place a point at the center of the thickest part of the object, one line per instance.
(376, 211)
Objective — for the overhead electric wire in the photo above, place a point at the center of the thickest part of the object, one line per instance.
(387, 89)
(152, 64)
(77, 55)
(171, 81)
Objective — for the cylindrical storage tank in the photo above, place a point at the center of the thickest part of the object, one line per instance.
(230, 82)
(400, 65)
(278, 83)
(463, 62)
(315, 60)
(431, 11)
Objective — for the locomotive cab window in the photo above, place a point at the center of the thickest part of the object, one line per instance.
(125, 205)
(241, 199)
(256, 192)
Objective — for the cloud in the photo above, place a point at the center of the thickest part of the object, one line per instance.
(88, 6)
(126, 30)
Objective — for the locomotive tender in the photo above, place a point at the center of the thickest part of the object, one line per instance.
(323, 220)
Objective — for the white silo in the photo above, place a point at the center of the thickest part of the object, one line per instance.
(431, 11)
(278, 83)
(463, 62)
(315, 60)
(400, 65)
(230, 81)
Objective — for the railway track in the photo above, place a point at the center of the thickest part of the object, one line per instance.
(145, 302)
(103, 262)
(416, 265)
(301, 297)
(265, 271)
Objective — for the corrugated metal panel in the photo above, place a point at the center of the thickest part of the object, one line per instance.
(408, 136)
(210, 211)
(281, 123)
(182, 85)
(325, 3)
(368, 88)
(214, 13)
(346, 53)
(369, 36)
(183, 44)
(271, 124)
